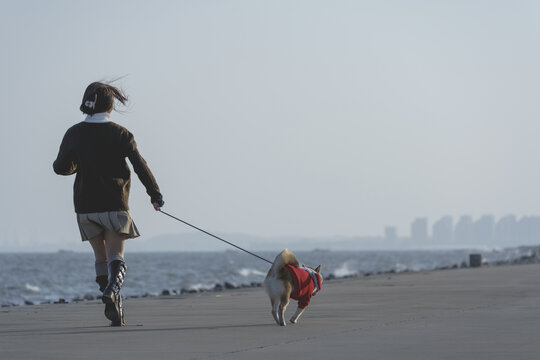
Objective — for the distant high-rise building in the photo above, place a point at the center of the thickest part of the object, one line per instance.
(463, 231)
(443, 230)
(419, 229)
(390, 233)
(483, 230)
(529, 230)
(506, 231)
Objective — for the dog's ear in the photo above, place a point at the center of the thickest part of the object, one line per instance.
(318, 269)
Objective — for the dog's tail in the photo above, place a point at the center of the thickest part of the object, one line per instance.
(286, 257)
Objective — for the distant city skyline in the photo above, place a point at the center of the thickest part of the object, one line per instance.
(484, 230)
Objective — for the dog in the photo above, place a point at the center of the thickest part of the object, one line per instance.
(286, 279)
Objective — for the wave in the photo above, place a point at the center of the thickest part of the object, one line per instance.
(345, 270)
(32, 288)
(248, 272)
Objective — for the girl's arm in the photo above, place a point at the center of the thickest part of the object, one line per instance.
(66, 161)
(143, 172)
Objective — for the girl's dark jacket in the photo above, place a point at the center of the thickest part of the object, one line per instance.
(97, 153)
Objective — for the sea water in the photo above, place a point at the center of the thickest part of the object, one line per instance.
(47, 277)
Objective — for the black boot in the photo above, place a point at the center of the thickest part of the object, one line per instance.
(102, 281)
(111, 295)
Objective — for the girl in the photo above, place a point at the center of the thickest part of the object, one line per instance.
(95, 150)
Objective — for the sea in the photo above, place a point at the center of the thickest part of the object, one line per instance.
(65, 276)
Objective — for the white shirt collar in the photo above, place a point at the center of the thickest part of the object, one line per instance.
(98, 118)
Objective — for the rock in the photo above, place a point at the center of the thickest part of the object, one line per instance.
(89, 297)
(165, 293)
(28, 302)
(228, 285)
(218, 287)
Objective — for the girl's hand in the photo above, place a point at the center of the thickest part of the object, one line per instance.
(158, 203)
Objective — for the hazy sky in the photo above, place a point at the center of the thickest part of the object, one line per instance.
(302, 118)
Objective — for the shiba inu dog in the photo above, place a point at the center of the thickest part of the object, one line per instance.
(286, 279)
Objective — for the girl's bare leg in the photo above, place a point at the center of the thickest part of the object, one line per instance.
(101, 265)
(114, 245)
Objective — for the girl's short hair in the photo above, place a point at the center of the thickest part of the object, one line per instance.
(99, 97)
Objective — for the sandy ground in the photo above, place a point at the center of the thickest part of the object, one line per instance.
(487, 313)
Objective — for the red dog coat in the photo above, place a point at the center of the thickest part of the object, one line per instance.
(303, 285)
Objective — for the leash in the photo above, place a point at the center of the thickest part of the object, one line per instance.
(217, 237)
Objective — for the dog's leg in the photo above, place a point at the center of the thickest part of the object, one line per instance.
(282, 306)
(275, 310)
(294, 318)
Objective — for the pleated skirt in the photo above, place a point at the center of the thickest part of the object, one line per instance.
(93, 224)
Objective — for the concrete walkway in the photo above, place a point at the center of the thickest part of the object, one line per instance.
(488, 313)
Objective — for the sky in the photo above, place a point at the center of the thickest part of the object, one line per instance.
(278, 118)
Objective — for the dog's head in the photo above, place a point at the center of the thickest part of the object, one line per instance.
(316, 276)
